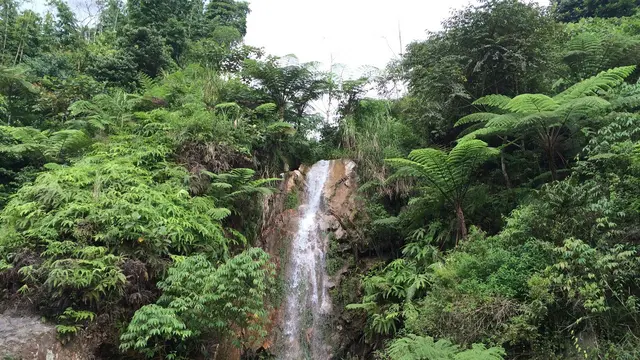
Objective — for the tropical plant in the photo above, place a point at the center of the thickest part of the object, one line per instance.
(448, 175)
(200, 300)
(493, 47)
(103, 112)
(550, 120)
(574, 10)
(414, 347)
(287, 83)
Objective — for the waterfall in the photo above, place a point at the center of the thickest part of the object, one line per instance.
(307, 298)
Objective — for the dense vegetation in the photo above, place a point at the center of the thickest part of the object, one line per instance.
(500, 193)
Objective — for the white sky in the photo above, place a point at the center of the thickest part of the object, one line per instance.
(355, 32)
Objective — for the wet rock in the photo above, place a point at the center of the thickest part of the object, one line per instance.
(28, 338)
(337, 217)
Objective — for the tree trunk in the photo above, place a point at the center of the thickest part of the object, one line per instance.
(281, 112)
(552, 164)
(503, 166)
(15, 60)
(462, 226)
(6, 30)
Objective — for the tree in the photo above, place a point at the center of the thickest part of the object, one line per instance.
(156, 13)
(171, 19)
(27, 29)
(112, 17)
(449, 175)
(147, 49)
(66, 25)
(498, 47)
(14, 88)
(550, 120)
(9, 13)
(228, 13)
(292, 85)
(574, 10)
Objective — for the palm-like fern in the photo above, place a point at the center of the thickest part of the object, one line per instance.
(591, 51)
(13, 84)
(550, 119)
(414, 347)
(103, 111)
(449, 174)
(20, 142)
(238, 184)
(65, 143)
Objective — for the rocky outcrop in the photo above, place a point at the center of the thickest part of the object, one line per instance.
(28, 338)
(340, 207)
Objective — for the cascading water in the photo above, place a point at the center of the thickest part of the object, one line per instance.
(307, 299)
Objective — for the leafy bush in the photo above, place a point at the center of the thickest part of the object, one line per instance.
(413, 347)
(200, 300)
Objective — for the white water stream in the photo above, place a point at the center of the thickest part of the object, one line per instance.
(307, 298)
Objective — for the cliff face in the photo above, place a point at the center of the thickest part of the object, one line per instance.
(338, 211)
(26, 337)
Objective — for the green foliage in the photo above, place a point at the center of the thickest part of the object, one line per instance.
(597, 45)
(574, 10)
(415, 347)
(448, 175)
(71, 321)
(109, 199)
(89, 271)
(147, 50)
(288, 84)
(390, 290)
(135, 147)
(550, 120)
(200, 300)
(155, 323)
(496, 47)
(292, 201)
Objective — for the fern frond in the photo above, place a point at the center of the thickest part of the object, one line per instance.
(582, 107)
(481, 117)
(602, 82)
(528, 103)
(281, 127)
(66, 141)
(504, 121)
(267, 108)
(497, 101)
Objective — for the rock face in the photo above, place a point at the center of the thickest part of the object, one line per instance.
(340, 198)
(27, 338)
(281, 218)
(281, 213)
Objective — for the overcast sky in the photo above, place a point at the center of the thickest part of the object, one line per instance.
(355, 32)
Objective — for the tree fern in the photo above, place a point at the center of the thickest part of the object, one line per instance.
(414, 347)
(496, 101)
(549, 118)
(596, 85)
(528, 103)
(66, 143)
(19, 142)
(480, 117)
(449, 174)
